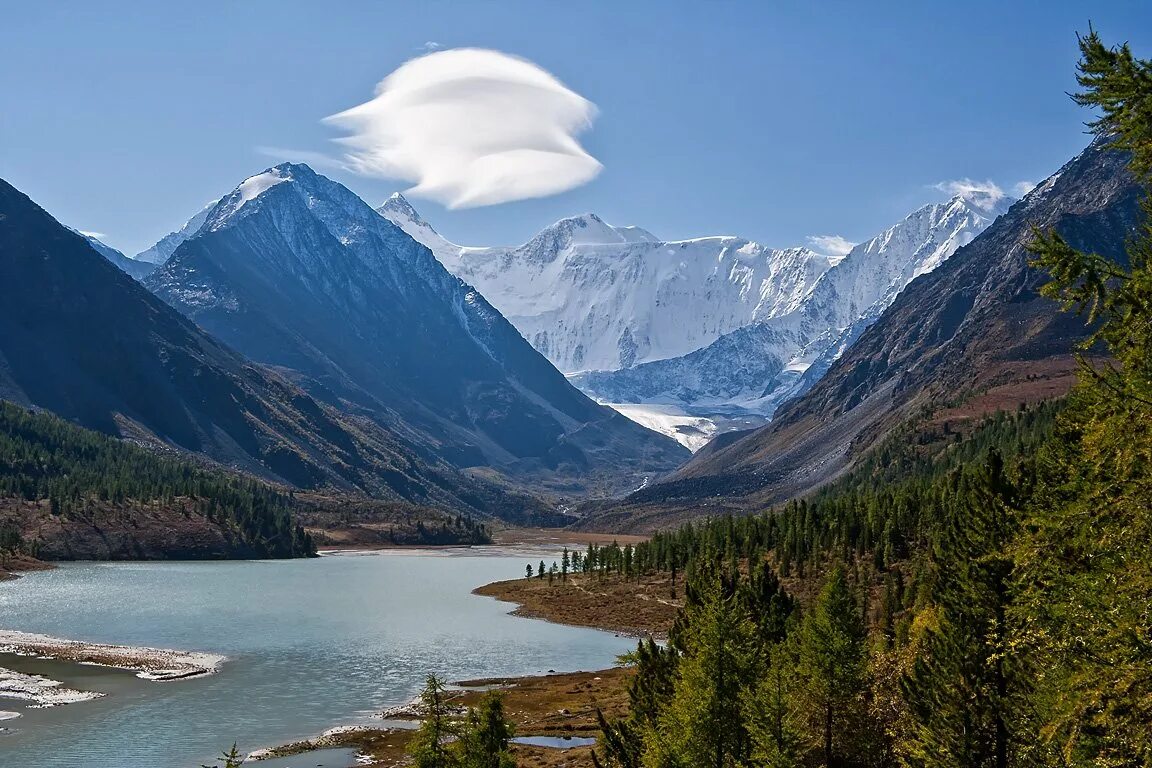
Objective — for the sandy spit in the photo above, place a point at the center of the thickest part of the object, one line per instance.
(149, 663)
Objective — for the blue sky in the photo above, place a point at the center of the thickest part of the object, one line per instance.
(772, 120)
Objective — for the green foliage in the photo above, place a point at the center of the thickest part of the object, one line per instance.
(702, 723)
(478, 740)
(1120, 86)
(43, 457)
(486, 735)
(1085, 557)
(430, 747)
(833, 668)
(775, 726)
(232, 759)
(968, 689)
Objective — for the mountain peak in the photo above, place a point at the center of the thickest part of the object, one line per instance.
(590, 229)
(398, 207)
(989, 200)
(327, 199)
(252, 188)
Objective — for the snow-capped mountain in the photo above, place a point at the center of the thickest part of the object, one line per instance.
(592, 296)
(710, 327)
(137, 269)
(294, 270)
(159, 253)
(765, 363)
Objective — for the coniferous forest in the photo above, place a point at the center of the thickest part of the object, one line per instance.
(44, 458)
(982, 601)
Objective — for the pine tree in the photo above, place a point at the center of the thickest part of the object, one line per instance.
(648, 694)
(485, 737)
(967, 691)
(833, 667)
(774, 724)
(232, 759)
(703, 723)
(429, 748)
(1085, 561)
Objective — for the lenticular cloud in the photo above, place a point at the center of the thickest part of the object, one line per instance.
(471, 127)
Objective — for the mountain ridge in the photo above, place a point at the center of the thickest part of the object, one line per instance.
(589, 295)
(84, 340)
(296, 271)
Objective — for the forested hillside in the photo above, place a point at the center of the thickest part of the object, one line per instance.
(78, 476)
(71, 493)
(975, 600)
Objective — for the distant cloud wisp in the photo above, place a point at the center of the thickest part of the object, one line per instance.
(831, 245)
(978, 191)
(1021, 188)
(471, 127)
(983, 193)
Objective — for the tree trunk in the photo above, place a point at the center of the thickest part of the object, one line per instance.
(828, 735)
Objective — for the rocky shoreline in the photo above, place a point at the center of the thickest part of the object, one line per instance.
(157, 664)
(562, 706)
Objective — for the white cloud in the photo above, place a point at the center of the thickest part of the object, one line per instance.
(471, 127)
(1021, 188)
(969, 189)
(431, 45)
(97, 235)
(831, 245)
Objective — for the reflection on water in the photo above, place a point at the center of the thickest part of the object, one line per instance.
(310, 644)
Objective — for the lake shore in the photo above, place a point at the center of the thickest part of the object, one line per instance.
(562, 706)
(550, 706)
(643, 608)
(12, 565)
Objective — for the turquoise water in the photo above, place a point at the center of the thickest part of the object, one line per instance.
(310, 644)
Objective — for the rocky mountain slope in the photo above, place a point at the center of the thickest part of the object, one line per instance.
(84, 340)
(294, 270)
(972, 336)
(137, 269)
(163, 249)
